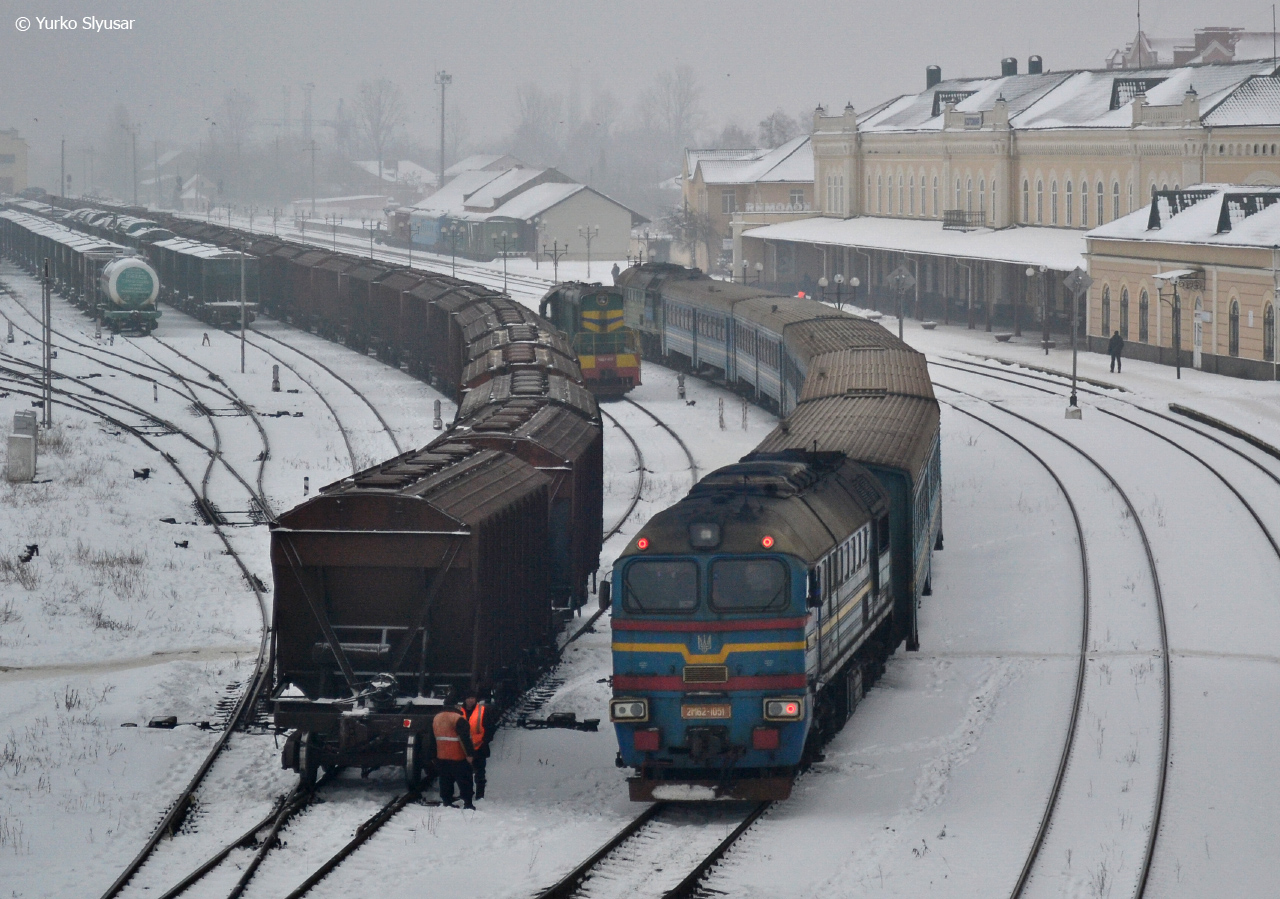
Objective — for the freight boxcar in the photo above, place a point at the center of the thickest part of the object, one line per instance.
(425, 574)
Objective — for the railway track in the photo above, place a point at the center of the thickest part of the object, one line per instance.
(639, 491)
(666, 851)
(688, 454)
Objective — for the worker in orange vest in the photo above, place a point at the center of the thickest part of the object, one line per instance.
(454, 752)
(482, 728)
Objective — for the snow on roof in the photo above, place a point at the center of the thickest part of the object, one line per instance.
(1200, 215)
(495, 190)
(480, 161)
(1060, 249)
(792, 161)
(1077, 98)
(453, 196)
(694, 156)
(1256, 102)
(537, 200)
(399, 170)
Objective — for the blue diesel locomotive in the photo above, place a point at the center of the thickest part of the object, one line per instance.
(751, 616)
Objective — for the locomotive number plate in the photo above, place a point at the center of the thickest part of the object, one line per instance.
(719, 710)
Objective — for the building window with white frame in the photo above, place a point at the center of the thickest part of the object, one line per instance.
(1115, 200)
(968, 195)
(935, 196)
(797, 198)
(1084, 204)
(1102, 200)
(911, 195)
(1053, 202)
(728, 202)
(1026, 201)
(982, 195)
(1039, 202)
(900, 194)
(1070, 203)
(957, 206)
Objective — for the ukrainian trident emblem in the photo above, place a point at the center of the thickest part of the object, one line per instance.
(704, 643)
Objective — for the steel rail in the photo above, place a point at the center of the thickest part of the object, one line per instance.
(569, 884)
(693, 465)
(1081, 667)
(1167, 691)
(341, 380)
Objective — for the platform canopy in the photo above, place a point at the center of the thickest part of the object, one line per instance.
(1059, 249)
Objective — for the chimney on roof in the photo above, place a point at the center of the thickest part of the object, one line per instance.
(932, 75)
(1035, 65)
(1009, 66)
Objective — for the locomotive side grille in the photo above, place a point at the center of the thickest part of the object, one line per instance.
(706, 674)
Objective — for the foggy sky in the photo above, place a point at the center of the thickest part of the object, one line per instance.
(173, 70)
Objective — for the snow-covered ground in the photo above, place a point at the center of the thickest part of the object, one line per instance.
(937, 784)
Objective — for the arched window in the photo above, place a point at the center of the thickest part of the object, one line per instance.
(1084, 204)
(982, 195)
(1269, 333)
(968, 195)
(1070, 201)
(879, 193)
(1124, 312)
(935, 196)
(1026, 201)
(1106, 310)
(1102, 199)
(957, 206)
(1039, 202)
(867, 202)
(1144, 307)
(1115, 200)
(912, 194)
(1053, 203)
(1175, 187)
(900, 195)
(1233, 335)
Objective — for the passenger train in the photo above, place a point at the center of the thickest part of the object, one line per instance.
(751, 616)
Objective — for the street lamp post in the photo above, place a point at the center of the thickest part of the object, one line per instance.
(901, 280)
(534, 223)
(759, 272)
(1078, 283)
(1044, 305)
(588, 231)
(452, 230)
(243, 312)
(822, 285)
(504, 260)
(839, 279)
(555, 253)
(854, 283)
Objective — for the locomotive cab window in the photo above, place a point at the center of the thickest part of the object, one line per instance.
(661, 586)
(749, 585)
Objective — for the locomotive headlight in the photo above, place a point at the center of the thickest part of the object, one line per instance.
(704, 536)
(631, 711)
(783, 709)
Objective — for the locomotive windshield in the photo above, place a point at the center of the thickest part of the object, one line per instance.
(661, 586)
(749, 585)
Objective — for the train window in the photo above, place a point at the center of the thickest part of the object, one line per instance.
(749, 585)
(661, 586)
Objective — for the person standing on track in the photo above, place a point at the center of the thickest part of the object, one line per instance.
(454, 752)
(482, 728)
(1115, 346)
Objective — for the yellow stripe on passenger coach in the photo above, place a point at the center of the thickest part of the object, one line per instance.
(714, 659)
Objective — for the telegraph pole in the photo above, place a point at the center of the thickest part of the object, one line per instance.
(62, 178)
(133, 132)
(155, 162)
(444, 79)
(47, 387)
(313, 177)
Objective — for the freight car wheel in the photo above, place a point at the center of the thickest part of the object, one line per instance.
(308, 760)
(413, 763)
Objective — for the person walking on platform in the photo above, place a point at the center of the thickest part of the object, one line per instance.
(454, 752)
(1115, 346)
(482, 728)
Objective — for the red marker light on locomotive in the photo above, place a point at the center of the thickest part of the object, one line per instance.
(642, 543)
(767, 542)
(791, 708)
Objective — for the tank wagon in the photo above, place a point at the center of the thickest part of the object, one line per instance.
(108, 280)
(608, 350)
(752, 615)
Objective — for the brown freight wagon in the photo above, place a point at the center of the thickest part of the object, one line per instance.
(306, 310)
(566, 443)
(338, 320)
(423, 574)
(514, 357)
(387, 307)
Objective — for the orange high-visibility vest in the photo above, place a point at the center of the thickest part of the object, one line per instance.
(448, 743)
(477, 726)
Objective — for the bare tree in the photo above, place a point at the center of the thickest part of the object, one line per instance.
(672, 107)
(777, 128)
(457, 133)
(539, 134)
(380, 111)
(238, 109)
(733, 137)
(691, 229)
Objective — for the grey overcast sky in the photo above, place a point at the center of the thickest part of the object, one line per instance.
(180, 59)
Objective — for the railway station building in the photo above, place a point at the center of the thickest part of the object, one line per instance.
(13, 162)
(986, 187)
